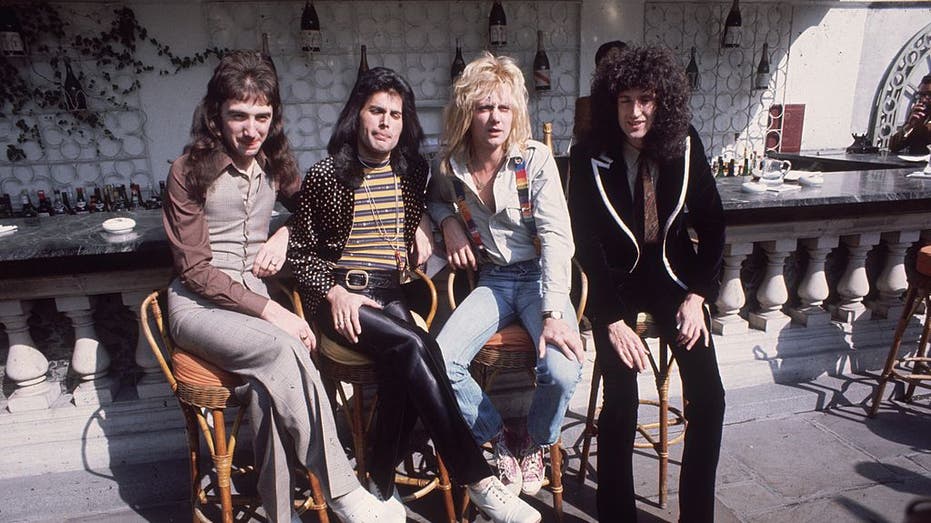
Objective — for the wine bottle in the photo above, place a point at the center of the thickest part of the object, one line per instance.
(45, 206)
(761, 80)
(541, 67)
(75, 99)
(548, 135)
(11, 33)
(363, 64)
(58, 205)
(97, 201)
(497, 25)
(6, 206)
(80, 203)
(691, 71)
(455, 70)
(310, 29)
(27, 210)
(66, 203)
(732, 26)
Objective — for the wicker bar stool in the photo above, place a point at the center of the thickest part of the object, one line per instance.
(511, 349)
(339, 364)
(203, 389)
(919, 289)
(658, 440)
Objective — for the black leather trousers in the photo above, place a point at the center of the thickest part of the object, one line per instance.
(412, 384)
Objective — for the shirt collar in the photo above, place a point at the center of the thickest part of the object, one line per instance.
(220, 161)
(461, 169)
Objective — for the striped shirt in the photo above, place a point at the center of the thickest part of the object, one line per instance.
(376, 240)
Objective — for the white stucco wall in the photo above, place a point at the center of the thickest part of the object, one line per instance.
(839, 52)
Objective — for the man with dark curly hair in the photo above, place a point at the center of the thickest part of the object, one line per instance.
(633, 179)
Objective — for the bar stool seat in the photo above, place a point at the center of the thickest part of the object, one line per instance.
(655, 435)
(338, 363)
(919, 289)
(202, 388)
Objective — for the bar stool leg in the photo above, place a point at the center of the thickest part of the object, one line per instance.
(910, 299)
(662, 384)
(556, 475)
(223, 463)
(922, 349)
(447, 488)
(317, 492)
(591, 429)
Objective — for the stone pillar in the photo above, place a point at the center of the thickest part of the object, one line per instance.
(854, 285)
(152, 383)
(26, 367)
(813, 287)
(732, 297)
(773, 293)
(90, 361)
(892, 281)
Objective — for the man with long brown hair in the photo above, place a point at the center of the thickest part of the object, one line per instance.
(632, 179)
(220, 196)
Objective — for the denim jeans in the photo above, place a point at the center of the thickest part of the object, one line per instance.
(505, 294)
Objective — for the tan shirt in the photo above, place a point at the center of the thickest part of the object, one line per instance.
(186, 225)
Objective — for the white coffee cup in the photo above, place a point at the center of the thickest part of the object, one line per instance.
(774, 171)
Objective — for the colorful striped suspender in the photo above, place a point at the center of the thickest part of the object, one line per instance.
(526, 208)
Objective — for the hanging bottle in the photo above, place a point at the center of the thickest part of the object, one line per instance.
(363, 63)
(497, 25)
(541, 67)
(761, 79)
(732, 27)
(458, 65)
(310, 29)
(691, 71)
(265, 50)
(75, 99)
(11, 33)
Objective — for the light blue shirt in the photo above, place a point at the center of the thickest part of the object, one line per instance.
(506, 238)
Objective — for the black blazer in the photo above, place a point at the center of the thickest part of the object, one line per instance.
(323, 221)
(602, 209)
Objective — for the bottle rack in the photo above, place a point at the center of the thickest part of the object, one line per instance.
(727, 102)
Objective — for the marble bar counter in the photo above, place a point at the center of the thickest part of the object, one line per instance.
(830, 160)
(843, 194)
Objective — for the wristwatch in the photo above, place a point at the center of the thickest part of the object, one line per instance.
(556, 315)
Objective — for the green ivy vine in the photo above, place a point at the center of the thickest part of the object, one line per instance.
(24, 95)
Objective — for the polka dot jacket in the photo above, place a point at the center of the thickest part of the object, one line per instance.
(321, 226)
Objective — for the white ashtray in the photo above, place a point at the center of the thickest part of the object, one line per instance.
(792, 176)
(753, 187)
(811, 179)
(119, 225)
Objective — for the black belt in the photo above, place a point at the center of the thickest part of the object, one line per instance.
(361, 279)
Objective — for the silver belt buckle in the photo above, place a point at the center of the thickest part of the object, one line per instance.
(356, 286)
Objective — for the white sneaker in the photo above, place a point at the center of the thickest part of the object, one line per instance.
(500, 504)
(394, 503)
(532, 470)
(508, 466)
(359, 506)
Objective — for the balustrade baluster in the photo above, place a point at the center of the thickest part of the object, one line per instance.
(90, 360)
(854, 285)
(26, 367)
(892, 281)
(731, 297)
(773, 293)
(152, 383)
(813, 287)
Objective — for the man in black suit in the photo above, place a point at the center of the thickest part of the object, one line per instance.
(632, 182)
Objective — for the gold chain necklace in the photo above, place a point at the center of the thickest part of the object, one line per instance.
(393, 241)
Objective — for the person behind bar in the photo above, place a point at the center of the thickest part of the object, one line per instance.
(220, 195)
(915, 134)
(640, 169)
(583, 105)
(360, 214)
(512, 220)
